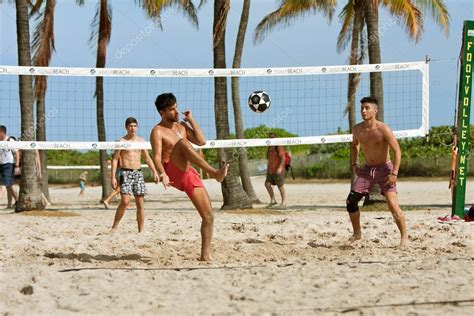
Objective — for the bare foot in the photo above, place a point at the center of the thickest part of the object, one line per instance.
(354, 238)
(272, 203)
(206, 258)
(404, 243)
(222, 173)
(113, 231)
(106, 204)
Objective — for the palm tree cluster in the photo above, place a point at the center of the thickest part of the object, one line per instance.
(359, 28)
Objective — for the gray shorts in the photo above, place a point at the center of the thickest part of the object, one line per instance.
(132, 182)
(276, 179)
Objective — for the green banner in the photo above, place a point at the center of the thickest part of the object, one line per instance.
(463, 120)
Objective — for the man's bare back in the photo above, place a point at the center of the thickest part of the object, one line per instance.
(373, 141)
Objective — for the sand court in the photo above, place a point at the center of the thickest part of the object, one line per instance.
(265, 261)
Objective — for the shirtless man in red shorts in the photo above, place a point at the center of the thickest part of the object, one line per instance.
(173, 155)
(375, 139)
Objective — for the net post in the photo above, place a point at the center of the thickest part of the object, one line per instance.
(463, 120)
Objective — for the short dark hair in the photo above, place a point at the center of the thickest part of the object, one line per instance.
(3, 129)
(370, 99)
(165, 100)
(130, 120)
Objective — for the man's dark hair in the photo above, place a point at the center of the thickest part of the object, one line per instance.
(165, 100)
(3, 129)
(370, 99)
(130, 120)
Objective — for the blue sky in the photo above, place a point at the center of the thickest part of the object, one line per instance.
(310, 41)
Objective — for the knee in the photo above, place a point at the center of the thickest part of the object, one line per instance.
(352, 202)
(208, 218)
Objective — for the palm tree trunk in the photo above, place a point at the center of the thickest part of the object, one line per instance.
(375, 57)
(232, 191)
(104, 173)
(354, 78)
(239, 124)
(41, 136)
(376, 84)
(103, 39)
(30, 194)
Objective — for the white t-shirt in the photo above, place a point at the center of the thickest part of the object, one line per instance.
(6, 155)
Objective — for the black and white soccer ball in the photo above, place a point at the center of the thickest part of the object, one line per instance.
(259, 101)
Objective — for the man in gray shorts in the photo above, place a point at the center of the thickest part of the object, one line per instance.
(376, 140)
(131, 179)
(276, 173)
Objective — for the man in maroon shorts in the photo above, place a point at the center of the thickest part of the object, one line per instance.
(375, 139)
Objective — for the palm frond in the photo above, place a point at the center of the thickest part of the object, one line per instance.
(43, 44)
(438, 11)
(35, 7)
(408, 15)
(346, 17)
(290, 10)
(155, 8)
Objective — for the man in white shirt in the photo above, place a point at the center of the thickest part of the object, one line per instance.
(9, 160)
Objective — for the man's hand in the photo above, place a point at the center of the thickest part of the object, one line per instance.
(391, 179)
(165, 180)
(156, 177)
(187, 115)
(279, 170)
(114, 183)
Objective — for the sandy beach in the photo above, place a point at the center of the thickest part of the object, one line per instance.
(296, 261)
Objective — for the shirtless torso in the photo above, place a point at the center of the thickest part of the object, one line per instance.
(374, 142)
(131, 159)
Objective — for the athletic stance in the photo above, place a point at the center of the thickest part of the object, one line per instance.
(131, 177)
(276, 173)
(173, 155)
(375, 139)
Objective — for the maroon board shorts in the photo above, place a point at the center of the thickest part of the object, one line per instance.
(368, 176)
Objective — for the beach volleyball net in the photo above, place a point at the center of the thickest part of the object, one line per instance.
(309, 103)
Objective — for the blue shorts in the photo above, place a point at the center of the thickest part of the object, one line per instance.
(82, 185)
(7, 174)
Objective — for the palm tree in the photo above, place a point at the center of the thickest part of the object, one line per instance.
(239, 125)
(101, 31)
(30, 193)
(43, 47)
(289, 11)
(232, 191)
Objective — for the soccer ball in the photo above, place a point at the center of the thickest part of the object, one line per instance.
(259, 101)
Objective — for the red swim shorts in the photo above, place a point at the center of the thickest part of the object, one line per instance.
(183, 180)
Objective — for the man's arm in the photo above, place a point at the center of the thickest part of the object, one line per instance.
(150, 164)
(193, 130)
(115, 159)
(156, 140)
(393, 144)
(281, 154)
(355, 147)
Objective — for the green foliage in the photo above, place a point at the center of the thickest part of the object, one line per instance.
(72, 158)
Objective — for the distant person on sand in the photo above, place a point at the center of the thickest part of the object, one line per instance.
(115, 191)
(82, 183)
(376, 140)
(276, 173)
(173, 154)
(9, 163)
(131, 180)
